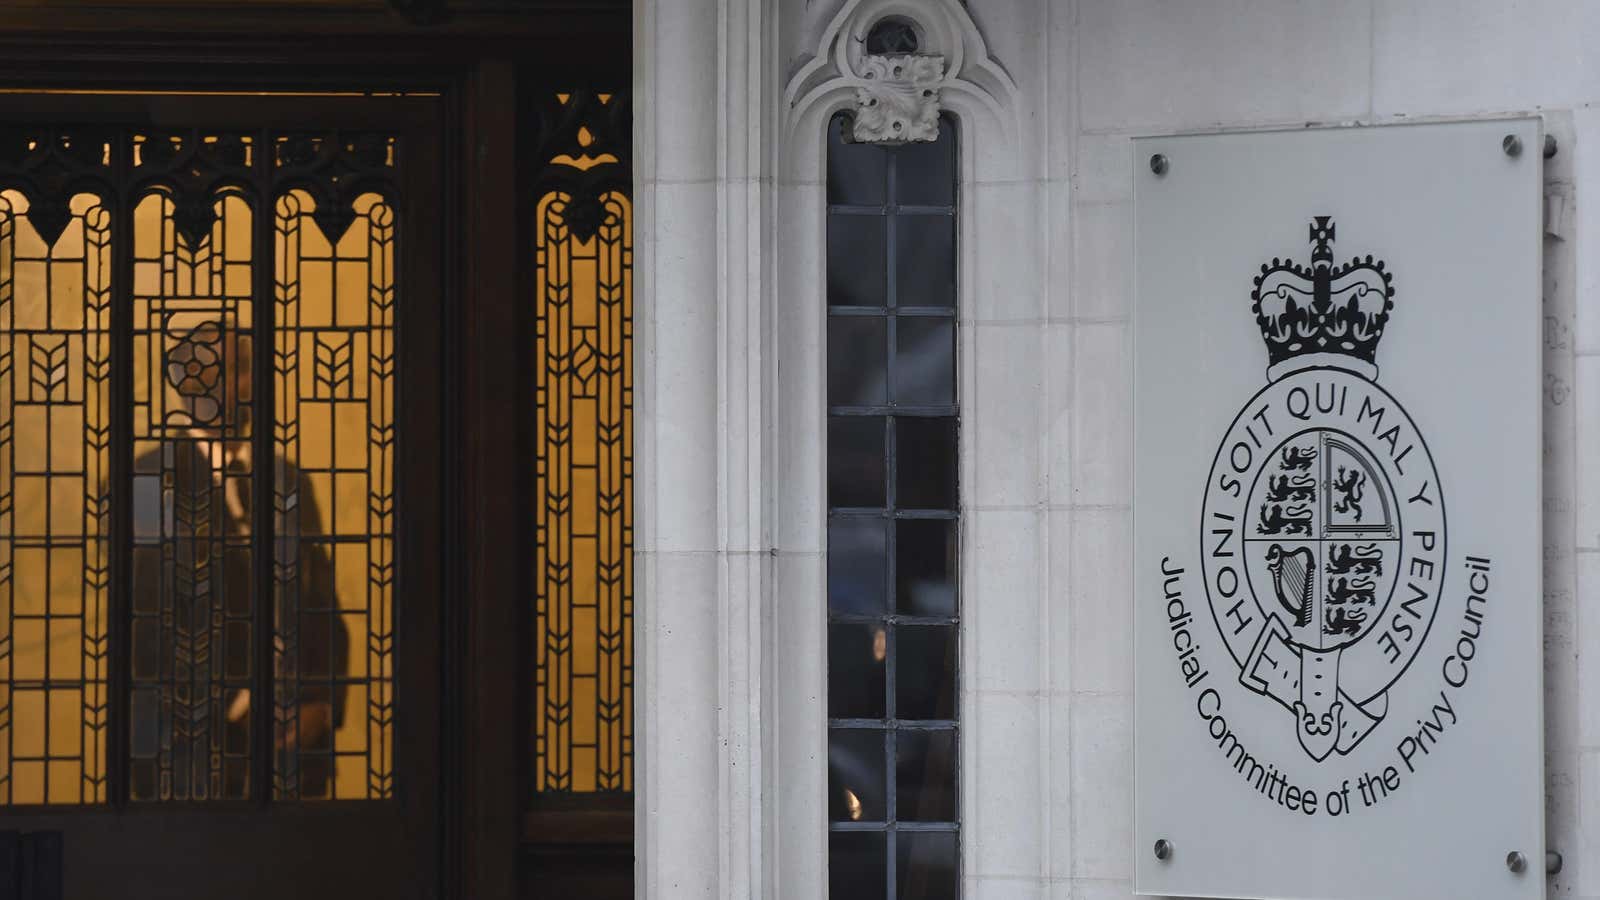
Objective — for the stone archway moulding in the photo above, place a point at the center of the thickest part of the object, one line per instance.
(969, 79)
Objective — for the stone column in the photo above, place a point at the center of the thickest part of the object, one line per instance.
(703, 98)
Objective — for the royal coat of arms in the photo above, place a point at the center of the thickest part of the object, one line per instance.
(1323, 516)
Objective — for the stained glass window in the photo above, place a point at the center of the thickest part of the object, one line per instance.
(194, 601)
(583, 450)
(334, 441)
(228, 408)
(893, 520)
(55, 345)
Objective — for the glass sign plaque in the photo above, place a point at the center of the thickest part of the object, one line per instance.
(1337, 513)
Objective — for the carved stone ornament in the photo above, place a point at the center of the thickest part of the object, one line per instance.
(899, 99)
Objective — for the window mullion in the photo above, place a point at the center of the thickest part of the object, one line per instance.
(119, 696)
(262, 544)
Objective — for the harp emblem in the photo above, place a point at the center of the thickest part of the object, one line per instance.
(1291, 580)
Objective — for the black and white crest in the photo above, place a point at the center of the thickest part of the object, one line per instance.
(1321, 492)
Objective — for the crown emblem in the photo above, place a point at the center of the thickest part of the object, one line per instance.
(1322, 315)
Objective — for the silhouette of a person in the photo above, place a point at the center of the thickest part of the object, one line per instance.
(193, 498)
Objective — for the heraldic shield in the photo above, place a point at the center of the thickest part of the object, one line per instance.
(1304, 538)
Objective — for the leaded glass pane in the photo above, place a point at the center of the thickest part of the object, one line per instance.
(925, 775)
(858, 566)
(926, 686)
(925, 567)
(55, 342)
(858, 865)
(333, 501)
(926, 865)
(925, 361)
(925, 474)
(925, 269)
(925, 174)
(860, 239)
(857, 361)
(193, 340)
(857, 673)
(583, 451)
(857, 173)
(857, 475)
(856, 780)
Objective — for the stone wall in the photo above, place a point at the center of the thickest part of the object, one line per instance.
(729, 399)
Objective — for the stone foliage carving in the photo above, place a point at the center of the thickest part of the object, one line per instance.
(950, 70)
(899, 99)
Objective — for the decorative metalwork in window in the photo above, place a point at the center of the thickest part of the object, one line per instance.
(893, 519)
(252, 258)
(583, 449)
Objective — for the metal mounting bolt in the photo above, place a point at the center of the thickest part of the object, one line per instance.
(1512, 145)
(1163, 846)
(1516, 862)
(1549, 146)
(1158, 164)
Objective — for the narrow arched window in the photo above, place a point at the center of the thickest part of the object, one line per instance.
(582, 558)
(893, 519)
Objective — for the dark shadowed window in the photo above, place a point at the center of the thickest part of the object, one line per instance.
(893, 519)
